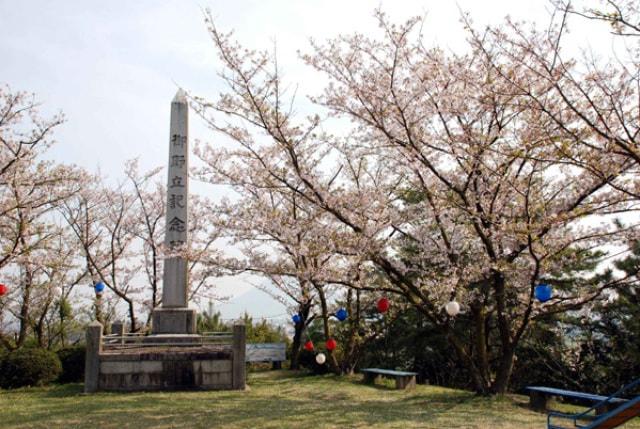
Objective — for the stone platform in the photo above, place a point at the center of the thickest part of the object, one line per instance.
(163, 362)
(170, 368)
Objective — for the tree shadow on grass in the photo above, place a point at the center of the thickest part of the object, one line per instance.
(65, 390)
(279, 400)
(51, 391)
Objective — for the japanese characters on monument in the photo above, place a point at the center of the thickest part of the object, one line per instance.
(175, 269)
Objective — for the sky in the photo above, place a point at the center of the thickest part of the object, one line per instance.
(113, 67)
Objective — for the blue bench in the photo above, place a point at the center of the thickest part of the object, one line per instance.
(539, 398)
(404, 379)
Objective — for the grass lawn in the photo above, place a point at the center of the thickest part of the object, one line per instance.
(276, 399)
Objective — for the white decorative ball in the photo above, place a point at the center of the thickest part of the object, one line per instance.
(452, 308)
(321, 358)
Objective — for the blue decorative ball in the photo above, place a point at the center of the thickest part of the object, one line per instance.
(296, 318)
(341, 314)
(99, 287)
(543, 292)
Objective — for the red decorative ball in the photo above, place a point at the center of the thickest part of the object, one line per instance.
(308, 346)
(3, 289)
(331, 344)
(383, 305)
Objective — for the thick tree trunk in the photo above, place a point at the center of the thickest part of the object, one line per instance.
(503, 375)
(351, 352)
(296, 346)
(63, 339)
(132, 316)
(505, 366)
(25, 308)
(39, 331)
(332, 361)
(481, 354)
(480, 384)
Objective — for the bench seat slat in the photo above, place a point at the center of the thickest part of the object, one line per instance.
(389, 372)
(573, 394)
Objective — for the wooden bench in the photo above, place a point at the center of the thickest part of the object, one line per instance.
(539, 397)
(276, 353)
(404, 379)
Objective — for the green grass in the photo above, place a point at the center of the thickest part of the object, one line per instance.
(276, 399)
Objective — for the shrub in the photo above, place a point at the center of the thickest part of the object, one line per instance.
(29, 367)
(72, 360)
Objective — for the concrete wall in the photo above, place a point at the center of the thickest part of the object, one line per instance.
(170, 371)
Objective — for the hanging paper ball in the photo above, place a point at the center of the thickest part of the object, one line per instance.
(321, 358)
(383, 305)
(99, 287)
(296, 318)
(331, 344)
(341, 314)
(452, 308)
(3, 289)
(543, 292)
(308, 346)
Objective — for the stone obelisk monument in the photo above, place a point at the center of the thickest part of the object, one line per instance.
(175, 317)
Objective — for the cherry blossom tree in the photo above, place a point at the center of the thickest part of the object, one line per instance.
(25, 180)
(31, 189)
(120, 230)
(621, 15)
(100, 218)
(592, 101)
(147, 225)
(278, 238)
(448, 183)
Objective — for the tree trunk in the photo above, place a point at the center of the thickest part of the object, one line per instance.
(98, 309)
(300, 327)
(39, 331)
(481, 354)
(503, 375)
(25, 308)
(480, 384)
(61, 332)
(132, 316)
(333, 362)
(352, 351)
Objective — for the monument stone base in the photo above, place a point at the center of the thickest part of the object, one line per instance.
(124, 363)
(173, 321)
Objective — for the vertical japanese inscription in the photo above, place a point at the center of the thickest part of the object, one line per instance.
(177, 214)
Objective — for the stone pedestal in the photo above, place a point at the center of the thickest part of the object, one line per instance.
(173, 368)
(167, 364)
(92, 357)
(174, 321)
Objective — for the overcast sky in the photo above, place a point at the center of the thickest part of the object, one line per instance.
(113, 66)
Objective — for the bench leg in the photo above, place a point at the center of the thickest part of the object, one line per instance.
(406, 382)
(370, 378)
(538, 401)
(276, 365)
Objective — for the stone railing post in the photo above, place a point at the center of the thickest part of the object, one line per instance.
(117, 328)
(238, 376)
(92, 357)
